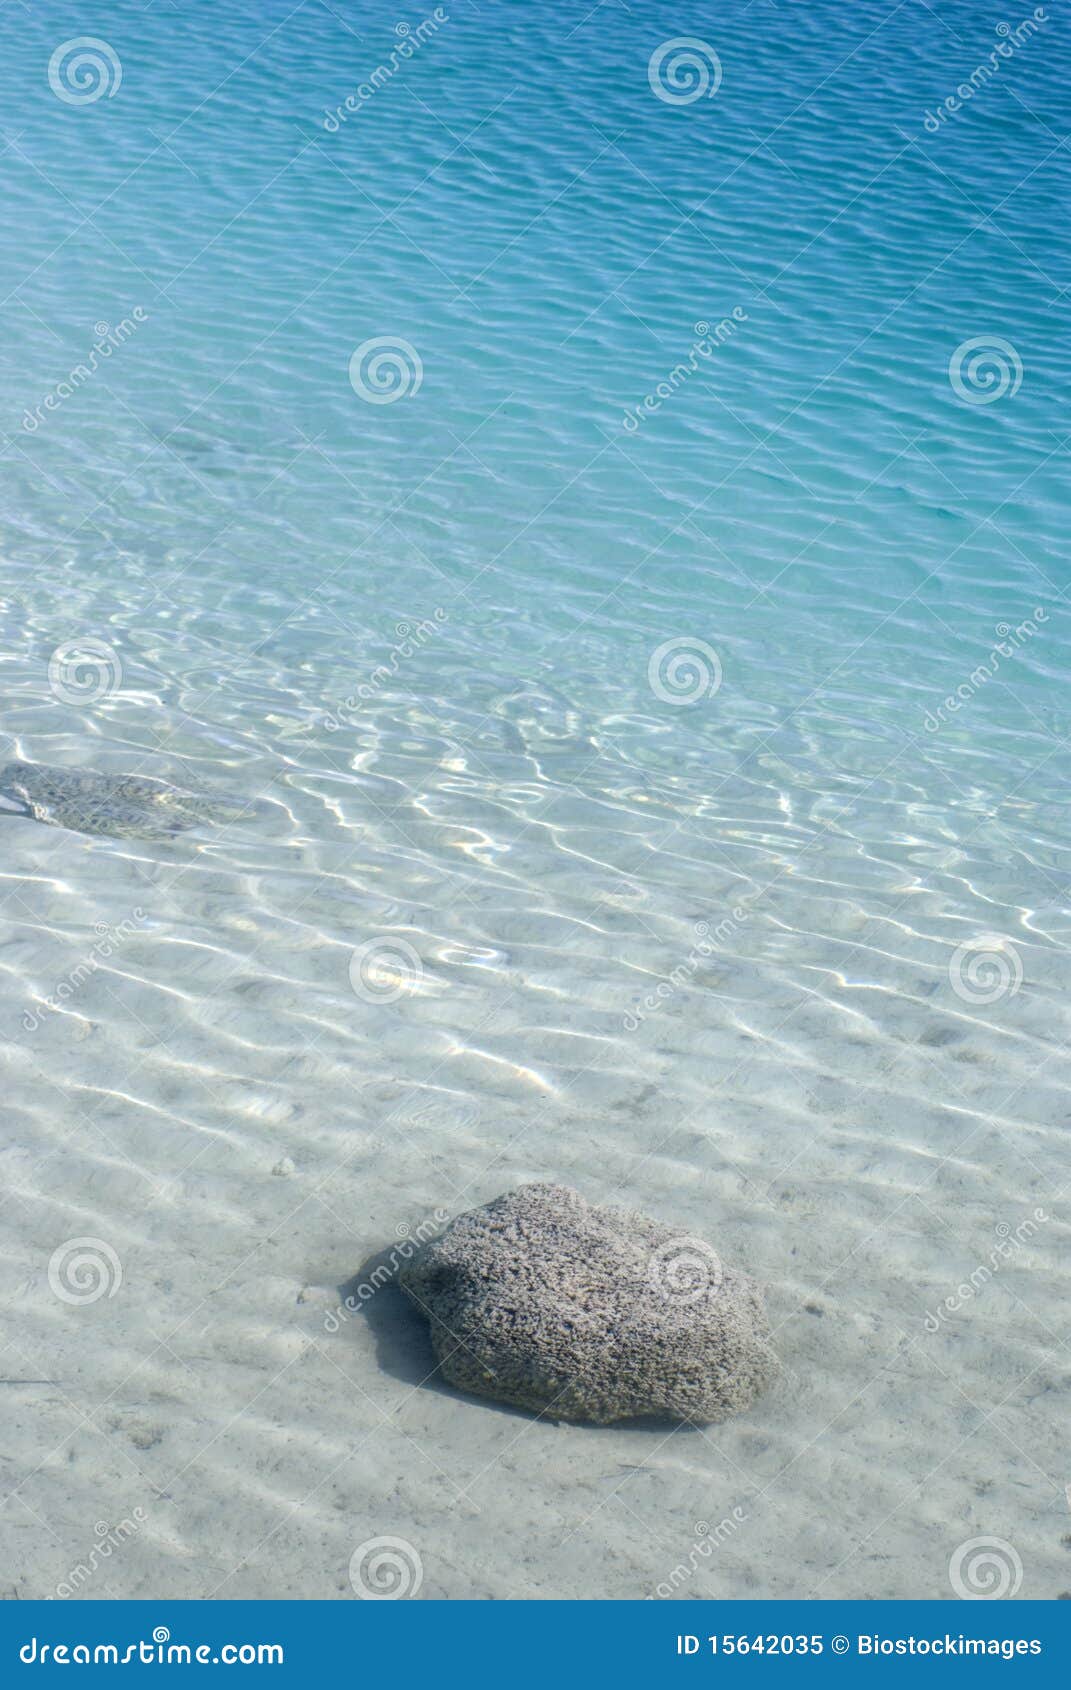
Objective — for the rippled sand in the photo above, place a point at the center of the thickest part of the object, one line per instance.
(783, 965)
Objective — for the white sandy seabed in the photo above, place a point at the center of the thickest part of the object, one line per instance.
(237, 1129)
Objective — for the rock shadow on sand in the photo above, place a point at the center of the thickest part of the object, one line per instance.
(403, 1343)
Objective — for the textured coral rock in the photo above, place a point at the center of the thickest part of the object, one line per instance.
(545, 1301)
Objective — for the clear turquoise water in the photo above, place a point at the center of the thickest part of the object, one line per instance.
(420, 635)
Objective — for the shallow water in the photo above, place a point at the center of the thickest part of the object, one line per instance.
(752, 931)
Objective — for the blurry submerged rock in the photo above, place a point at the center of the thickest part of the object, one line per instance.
(120, 805)
(544, 1301)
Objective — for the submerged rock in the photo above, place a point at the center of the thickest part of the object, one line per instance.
(545, 1301)
(124, 806)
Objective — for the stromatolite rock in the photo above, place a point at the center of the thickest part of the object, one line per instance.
(545, 1301)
